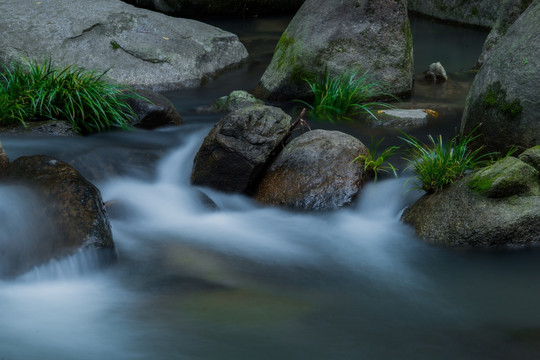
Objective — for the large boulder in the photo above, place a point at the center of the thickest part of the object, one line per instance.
(67, 216)
(509, 11)
(471, 12)
(503, 99)
(235, 8)
(141, 48)
(315, 171)
(342, 36)
(238, 148)
(496, 206)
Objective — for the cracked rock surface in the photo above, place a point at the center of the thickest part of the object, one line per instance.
(141, 48)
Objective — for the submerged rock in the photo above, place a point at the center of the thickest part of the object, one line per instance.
(238, 147)
(371, 36)
(504, 95)
(471, 12)
(70, 217)
(402, 118)
(153, 110)
(315, 171)
(496, 206)
(138, 47)
(437, 73)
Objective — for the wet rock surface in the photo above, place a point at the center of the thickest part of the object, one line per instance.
(315, 171)
(238, 147)
(67, 216)
(498, 206)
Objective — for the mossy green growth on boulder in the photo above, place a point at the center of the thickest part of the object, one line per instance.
(507, 177)
(342, 37)
(502, 104)
(532, 157)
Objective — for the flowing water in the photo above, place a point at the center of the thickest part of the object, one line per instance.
(205, 275)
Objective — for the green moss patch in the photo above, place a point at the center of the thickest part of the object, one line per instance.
(507, 177)
(495, 98)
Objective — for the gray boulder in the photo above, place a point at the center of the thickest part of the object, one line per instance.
(342, 36)
(471, 12)
(482, 209)
(69, 216)
(509, 11)
(315, 171)
(141, 48)
(203, 8)
(238, 147)
(153, 110)
(503, 98)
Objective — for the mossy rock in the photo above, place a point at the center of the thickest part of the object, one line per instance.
(502, 106)
(532, 157)
(507, 177)
(372, 36)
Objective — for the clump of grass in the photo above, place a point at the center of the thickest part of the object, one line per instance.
(438, 163)
(375, 161)
(35, 91)
(344, 96)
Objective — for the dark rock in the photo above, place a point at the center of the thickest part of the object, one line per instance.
(509, 11)
(315, 171)
(46, 127)
(4, 162)
(235, 8)
(470, 12)
(503, 98)
(237, 149)
(507, 177)
(138, 47)
(371, 36)
(70, 216)
(153, 110)
(462, 217)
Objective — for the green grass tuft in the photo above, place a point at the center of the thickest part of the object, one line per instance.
(438, 164)
(35, 91)
(344, 96)
(375, 161)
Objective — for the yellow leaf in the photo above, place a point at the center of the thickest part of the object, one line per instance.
(165, 38)
(431, 112)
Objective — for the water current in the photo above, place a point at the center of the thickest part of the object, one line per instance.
(206, 275)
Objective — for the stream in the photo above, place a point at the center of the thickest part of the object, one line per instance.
(206, 275)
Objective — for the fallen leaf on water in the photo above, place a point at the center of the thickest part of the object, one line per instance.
(165, 38)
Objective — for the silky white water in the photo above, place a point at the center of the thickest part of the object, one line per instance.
(203, 275)
(206, 275)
